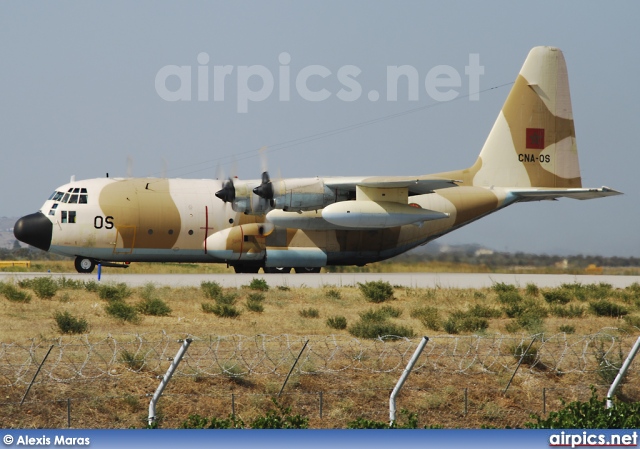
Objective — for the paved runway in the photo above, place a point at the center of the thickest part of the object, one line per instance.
(423, 280)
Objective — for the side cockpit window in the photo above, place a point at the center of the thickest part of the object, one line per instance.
(53, 209)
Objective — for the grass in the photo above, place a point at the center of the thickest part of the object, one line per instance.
(68, 324)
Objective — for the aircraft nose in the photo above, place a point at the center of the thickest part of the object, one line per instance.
(35, 230)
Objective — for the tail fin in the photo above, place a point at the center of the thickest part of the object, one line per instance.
(533, 143)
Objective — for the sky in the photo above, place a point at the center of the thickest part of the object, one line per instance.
(139, 88)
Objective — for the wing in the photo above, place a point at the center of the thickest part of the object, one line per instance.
(417, 185)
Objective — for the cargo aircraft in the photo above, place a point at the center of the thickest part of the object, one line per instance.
(308, 223)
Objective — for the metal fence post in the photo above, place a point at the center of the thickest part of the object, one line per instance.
(403, 378)
(622, 372)
(35, 375)
(165, 380)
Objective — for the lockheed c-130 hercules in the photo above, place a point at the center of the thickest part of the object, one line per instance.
(309, 223)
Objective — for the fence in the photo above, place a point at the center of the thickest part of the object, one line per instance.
(458, 381)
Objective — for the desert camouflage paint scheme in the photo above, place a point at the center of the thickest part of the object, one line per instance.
(306, 224)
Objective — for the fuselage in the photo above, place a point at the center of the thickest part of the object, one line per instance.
(182, 220)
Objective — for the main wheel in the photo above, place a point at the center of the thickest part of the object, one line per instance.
(307, 269)
(84, 264)
(277, 269)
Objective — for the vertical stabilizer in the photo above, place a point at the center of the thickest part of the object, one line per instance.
(533, 143)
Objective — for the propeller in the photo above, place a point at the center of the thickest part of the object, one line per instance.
(228, 191)
(265, 189)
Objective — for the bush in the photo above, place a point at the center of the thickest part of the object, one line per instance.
(211, 289)
(375, 329)
(68, 324)
(607, 308)
(44, 287)
(133, 361)
(567, 329)
(428, 316)
(376, 291)
(258, 284)
(254, 302)
(309, 313)
(462, 322)
(573, 311)
(114, 292)
(154, 307)
(481, 311)
(509, 297)
(122, 311)
(531, 356)
(221, 310)
(501, 287)
(532, 290)
(557, 296)
(69, 284)
(280, 418)
(333, 293)
(91, 286)
(337, 322)
(592, 414)
(196, 421)
(12, 293)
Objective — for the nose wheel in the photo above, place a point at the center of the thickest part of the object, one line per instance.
(84, 264)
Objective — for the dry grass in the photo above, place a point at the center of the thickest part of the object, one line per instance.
(437, 399)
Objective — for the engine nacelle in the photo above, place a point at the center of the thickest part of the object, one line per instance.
(244, 242)
(247, 202)
(302, 194)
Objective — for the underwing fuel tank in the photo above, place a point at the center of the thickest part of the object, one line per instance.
(377, 214)
(245, 242)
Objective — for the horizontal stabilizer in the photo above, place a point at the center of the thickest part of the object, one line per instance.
(552, 194)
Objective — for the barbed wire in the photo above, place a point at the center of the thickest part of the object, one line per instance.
(81, 358)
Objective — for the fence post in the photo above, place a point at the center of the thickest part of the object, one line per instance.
(35, 375)
(69, 413)
(466, 401)
(165, 380)
(622, 372)
(544, 400)
(233, 405)
(321, 405)
(403, 378)
(519, 363)
(291, 370)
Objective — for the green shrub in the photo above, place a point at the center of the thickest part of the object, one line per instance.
(309, 313)
(381, 314)
(374, 329)
(532, 290)
(481, 311)
(428, 316)
(463, 322)
(572, 311)
(376, 291)
(258, 284)
(280, 417)
(44, 287)
(12, 293)
(114, 292)
(501, 287)
(333, 293)
(567, 329)
(607, 308)
(211, 289)
(154, 307)
(391, 312)
(122, 311)
(284, 288)
(592, 414)
(632, 320)
(337, 322)
(558, 296)
(69, 284)
(133, 361)
(196, 421)
(91, 286)
(509, 298)
(221, 310)
(68, 324)
(254, 302)
(529, 358)
(411, 422)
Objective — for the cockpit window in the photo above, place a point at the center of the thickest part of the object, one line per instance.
(75, 195)
(53, 209)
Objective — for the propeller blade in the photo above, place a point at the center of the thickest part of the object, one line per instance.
(265, 190)
(228, 191)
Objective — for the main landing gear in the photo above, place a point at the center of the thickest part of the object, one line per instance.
(84, 264)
